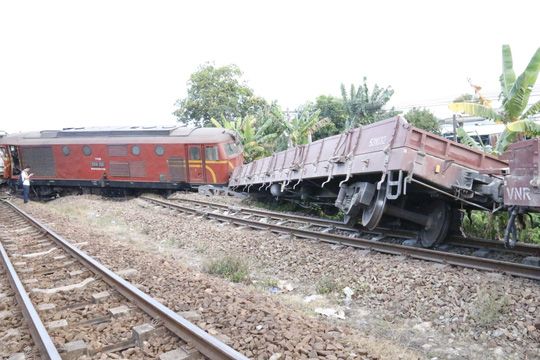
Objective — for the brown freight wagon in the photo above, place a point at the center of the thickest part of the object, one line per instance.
(387, 168)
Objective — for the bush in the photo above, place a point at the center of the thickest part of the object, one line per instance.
(484, 225)
(531, 232)
(230, 267)
(492, 226)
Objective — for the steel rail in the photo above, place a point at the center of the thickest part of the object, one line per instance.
(338, 225)
(520, 248)
(201, 340)
(270, 214)
(39, 334)
(527, 271)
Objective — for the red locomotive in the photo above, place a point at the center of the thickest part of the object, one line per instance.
(121, 160)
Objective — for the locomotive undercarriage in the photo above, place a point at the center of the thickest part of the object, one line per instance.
(45, 190)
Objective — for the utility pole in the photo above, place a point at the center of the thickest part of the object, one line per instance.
(454, 125)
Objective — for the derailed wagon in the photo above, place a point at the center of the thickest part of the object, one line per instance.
(394, 173)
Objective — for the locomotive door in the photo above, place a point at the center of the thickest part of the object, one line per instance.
(4, 163)
(196, 164)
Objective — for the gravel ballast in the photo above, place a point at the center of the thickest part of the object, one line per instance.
(363, 304)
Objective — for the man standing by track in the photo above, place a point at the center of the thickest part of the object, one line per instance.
(26, 183)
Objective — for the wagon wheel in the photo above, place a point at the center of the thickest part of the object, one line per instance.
(437, 227)
(372, 214)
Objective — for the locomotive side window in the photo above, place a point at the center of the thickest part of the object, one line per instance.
(211, 153)
(87, 150)
(194, 153)
(66, 150)
(160, 150)
(136, 150)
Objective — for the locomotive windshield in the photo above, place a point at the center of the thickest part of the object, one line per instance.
(233, 149)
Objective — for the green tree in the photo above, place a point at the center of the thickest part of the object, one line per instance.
(466, 98)
(365, 107)
(514, 94)
(423, 119)
(217, 92)
(333, 109)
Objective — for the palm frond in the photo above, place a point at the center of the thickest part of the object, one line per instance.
(508, 77)
(529, 128)
(466, 139)
(534, 109)
(476, 109)
(216, 123)
(504, 140)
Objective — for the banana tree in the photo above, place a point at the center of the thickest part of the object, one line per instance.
(256, 141)
(514, 96)
(298, 130)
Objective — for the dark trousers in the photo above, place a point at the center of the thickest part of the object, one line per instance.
(26, 192)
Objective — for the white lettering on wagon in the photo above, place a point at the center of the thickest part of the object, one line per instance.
(522, 193)
(377, 141)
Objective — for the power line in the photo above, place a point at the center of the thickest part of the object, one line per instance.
(490, 95)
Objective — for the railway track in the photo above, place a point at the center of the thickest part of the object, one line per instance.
(380, 234)
(382, 240)
(74, 306)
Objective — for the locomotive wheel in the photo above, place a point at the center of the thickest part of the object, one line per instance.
(372, 214)
(437, 228)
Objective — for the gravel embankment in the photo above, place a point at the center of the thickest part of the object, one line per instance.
(399, 308)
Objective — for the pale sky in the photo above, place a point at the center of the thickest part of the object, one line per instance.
(95, 63)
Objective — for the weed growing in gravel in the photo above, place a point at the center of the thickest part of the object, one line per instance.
(328, 285)
(201, 248)
(72, 210)
(267, 283)
(104, 221)
(146, 230)
(488, 307)
(171, 240)
(230, 267)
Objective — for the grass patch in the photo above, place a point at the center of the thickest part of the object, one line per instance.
(328, 285)
(230, 267)
(488, 307)
(73, 210)
(173, 241)
(267, 283)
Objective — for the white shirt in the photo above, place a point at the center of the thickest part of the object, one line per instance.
(26, 178)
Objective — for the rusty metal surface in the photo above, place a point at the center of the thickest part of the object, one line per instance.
(522, 186)
(391, 144)
(204, 342)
